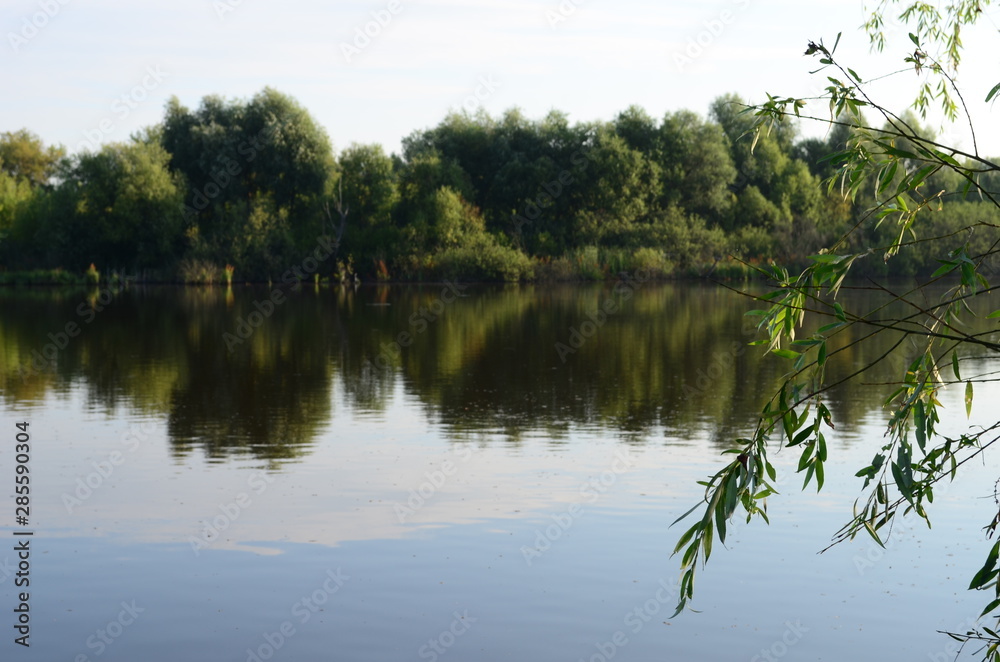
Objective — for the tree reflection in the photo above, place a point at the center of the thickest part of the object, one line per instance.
(670, 363)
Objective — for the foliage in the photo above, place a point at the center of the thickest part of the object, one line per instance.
(371, 192)
(483, 259)
(24, 158)
(257, 174)
(127, 210)
(652, 262)
(253, 183)
(16, 197)
(888, 168)
(196, 271)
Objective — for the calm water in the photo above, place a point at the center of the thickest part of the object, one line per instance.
(432, 474)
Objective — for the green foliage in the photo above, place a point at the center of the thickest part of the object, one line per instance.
(695, 159)
(253, 183)
(909, 199)
(370, 191)
(586, 264)
(483, 259)
(454, 221)
(24, 157)
(199, 272)
(126, 208)
(653, 262)
(258, 173)
(16, 196)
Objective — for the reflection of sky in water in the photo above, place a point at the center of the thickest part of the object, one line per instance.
(463, 550)
(434, 514)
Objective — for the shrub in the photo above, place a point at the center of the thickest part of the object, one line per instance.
(615, 260)
(197, 271)
(654, 262)
(586, 262)
(557, 269)
(484, 259)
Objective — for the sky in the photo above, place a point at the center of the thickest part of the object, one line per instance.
(85, 72)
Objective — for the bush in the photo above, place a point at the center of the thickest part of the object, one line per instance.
(198, 271)
(615, 260)
(413, 267)
(752, 242)
(733, 270)
(654, 262)
(484, 259)
(555, 269)
(585, 261)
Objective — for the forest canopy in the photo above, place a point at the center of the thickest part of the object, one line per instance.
(249, 186)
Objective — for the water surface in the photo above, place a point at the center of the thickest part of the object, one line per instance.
(480, 473)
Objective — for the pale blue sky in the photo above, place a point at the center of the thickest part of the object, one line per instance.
(66, 81)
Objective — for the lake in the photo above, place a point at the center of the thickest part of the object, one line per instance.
(441, 472)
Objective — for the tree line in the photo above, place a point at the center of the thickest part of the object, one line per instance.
(244, 188)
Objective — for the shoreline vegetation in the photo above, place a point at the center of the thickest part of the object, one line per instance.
(563, 271)
(243, 191)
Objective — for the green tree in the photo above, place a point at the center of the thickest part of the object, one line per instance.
(369, 184)
(126, 209)
(617, 192)
(28, 173)
(638, 129)
(814, 151)
(469, 141)
(24, 157)
(757, 163)
(694, 156)
(258, 173)
(15, 196)
(888, 169)
(420, 180)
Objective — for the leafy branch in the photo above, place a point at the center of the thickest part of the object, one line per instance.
(894, 164)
